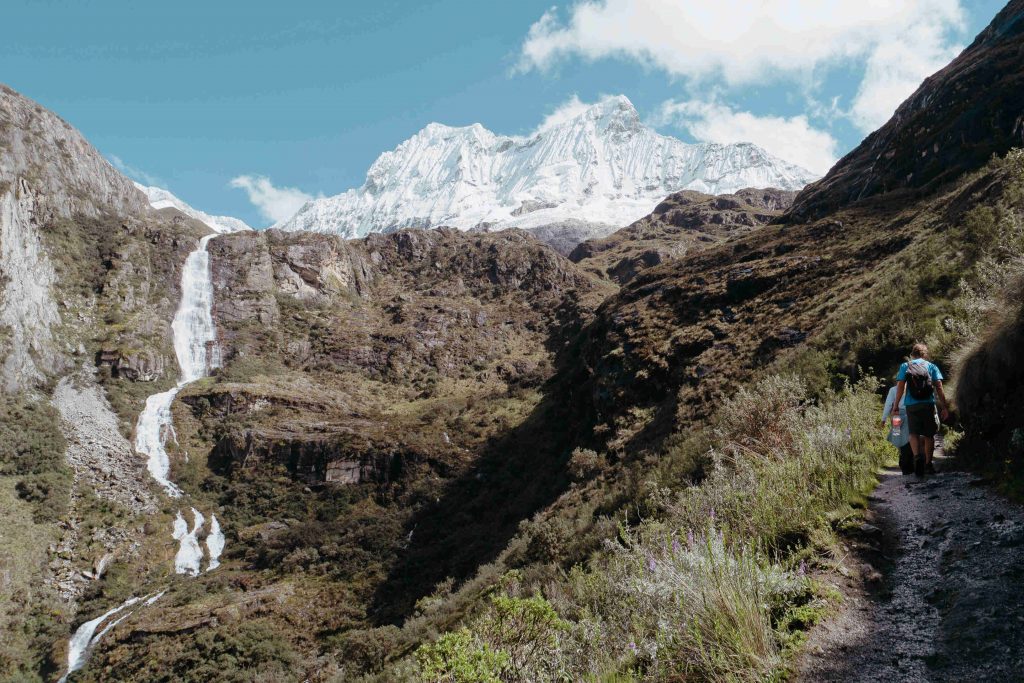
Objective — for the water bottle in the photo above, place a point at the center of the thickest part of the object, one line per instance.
(897, 426)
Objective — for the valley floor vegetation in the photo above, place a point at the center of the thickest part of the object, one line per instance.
(717, 587)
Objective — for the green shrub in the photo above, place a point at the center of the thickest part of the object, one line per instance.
(460, 657)
(528, 632)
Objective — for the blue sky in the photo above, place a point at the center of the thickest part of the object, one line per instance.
(191, 95)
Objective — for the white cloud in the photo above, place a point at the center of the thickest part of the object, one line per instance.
(792, 139)
(567, 111)
(134, 173)
(274, 203)
(738, 42)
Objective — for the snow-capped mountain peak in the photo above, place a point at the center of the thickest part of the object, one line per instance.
(160, 198)
(600, 166)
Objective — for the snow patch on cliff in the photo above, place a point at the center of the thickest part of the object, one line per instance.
(160, 198)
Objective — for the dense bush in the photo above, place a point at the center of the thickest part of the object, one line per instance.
(988, 327)
(32, 450)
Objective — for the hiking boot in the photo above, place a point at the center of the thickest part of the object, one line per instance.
(919, 466)
(930, 468)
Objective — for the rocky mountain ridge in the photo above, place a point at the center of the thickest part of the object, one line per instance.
(952, 124)
(683, 223)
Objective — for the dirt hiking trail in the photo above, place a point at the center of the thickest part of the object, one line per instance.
(940, 592)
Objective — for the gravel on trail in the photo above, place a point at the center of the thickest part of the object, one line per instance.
(939, 593)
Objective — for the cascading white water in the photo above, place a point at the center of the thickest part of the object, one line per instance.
(80, 643)
(195, 346)
(190, 554)
(83, 641)
(214, 543)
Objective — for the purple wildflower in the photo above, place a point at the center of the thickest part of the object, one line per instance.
(711, 515)
(651, 564)
(689, 538)
(675, 546)
(633, 647)
(802, 571)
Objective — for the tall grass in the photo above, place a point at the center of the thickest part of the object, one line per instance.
(707, 592)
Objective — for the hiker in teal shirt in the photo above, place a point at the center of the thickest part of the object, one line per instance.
(921, 382)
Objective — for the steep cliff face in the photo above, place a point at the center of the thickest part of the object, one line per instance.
(953, 124)
(52, 181)
(28, 311)
(68, 174)
(413, 316)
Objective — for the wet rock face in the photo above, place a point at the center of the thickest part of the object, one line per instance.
(136, 365)
(955, 122)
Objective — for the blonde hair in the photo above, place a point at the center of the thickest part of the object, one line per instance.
(919, 351)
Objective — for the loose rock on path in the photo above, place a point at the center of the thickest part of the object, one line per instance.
(941, 591)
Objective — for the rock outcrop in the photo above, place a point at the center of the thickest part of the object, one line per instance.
(28, 310)
(684, 222)
(67, 173)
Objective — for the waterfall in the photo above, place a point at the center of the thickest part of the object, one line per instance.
(214, 543)
(190, 554)
(82, 641)
(195, 345)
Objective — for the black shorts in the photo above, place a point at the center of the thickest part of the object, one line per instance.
(921, 419)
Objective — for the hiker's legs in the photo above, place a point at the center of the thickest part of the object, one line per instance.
(929, 448)
(914, 445)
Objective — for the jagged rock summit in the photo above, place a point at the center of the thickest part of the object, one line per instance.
(603, 166)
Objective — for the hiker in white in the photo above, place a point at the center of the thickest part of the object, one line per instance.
(899, 438)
